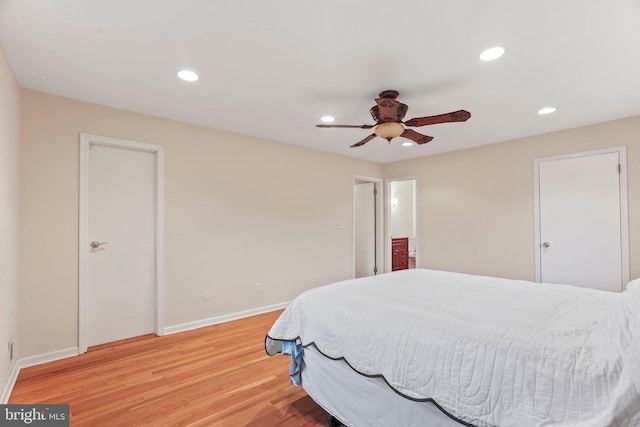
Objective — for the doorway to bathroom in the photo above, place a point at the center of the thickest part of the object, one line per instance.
(368, 225)
(402, 244)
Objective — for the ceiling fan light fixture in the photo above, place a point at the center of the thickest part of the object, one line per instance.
(492, 53)
(388, 113)
(389, 130)
(188, 75)
(327, 119)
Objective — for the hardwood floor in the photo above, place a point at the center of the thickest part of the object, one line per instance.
(214, 376)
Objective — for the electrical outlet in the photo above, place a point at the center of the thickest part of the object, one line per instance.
(208, 295)
(258, 287)
(10, 348)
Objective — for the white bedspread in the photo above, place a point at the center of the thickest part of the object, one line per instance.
(490, 352)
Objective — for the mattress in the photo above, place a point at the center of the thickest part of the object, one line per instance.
(487, 351)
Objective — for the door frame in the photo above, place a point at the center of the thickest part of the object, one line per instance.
(624, 206)
(86, 141)
(379, 222)
(388, 223)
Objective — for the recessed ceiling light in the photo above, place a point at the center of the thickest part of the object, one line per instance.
(327, 119)
(407, 144)
(492, 53)
(546, 110)
(188, 75)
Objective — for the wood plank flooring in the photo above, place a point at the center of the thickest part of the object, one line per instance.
(213, 376)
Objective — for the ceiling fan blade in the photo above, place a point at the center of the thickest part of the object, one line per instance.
(364, 141)
(454, 116)
(345, 126)
(416, 137)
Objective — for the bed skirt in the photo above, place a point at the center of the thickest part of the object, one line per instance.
(372, 403)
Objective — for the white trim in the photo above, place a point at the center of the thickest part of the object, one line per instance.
(388, 211)
(624, 206)
(536, 222)
(14, 370)
(40, 359)
(378, 183)
(27, 362)
(224, 318)
(160, 241)
(86, 140)
(83, 233)
(624, 217)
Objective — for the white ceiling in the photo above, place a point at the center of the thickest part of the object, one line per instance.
(272, 68)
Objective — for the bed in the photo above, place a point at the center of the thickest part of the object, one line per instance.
(433, 348)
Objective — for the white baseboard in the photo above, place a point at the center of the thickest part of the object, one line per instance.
(26, 362)
(224, 318)
(14, 370)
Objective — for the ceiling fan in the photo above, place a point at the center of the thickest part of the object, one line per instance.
(388, 114)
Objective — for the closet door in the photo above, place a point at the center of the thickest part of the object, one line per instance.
(580, 221)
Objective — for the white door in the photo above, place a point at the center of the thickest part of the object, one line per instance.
(119, 244)
(581, 221)
(364, 203)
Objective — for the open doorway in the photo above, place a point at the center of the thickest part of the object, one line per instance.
(402, 244)
(367, 226)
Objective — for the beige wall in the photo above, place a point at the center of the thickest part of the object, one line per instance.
(475, 206)
(238, 210)
(9, 159)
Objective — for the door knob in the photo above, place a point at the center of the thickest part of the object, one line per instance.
(96, 245)
(546, 245)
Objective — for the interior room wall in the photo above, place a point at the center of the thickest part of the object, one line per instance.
(242, 210)
(9, 186)
(475, 206)
(238, 210)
